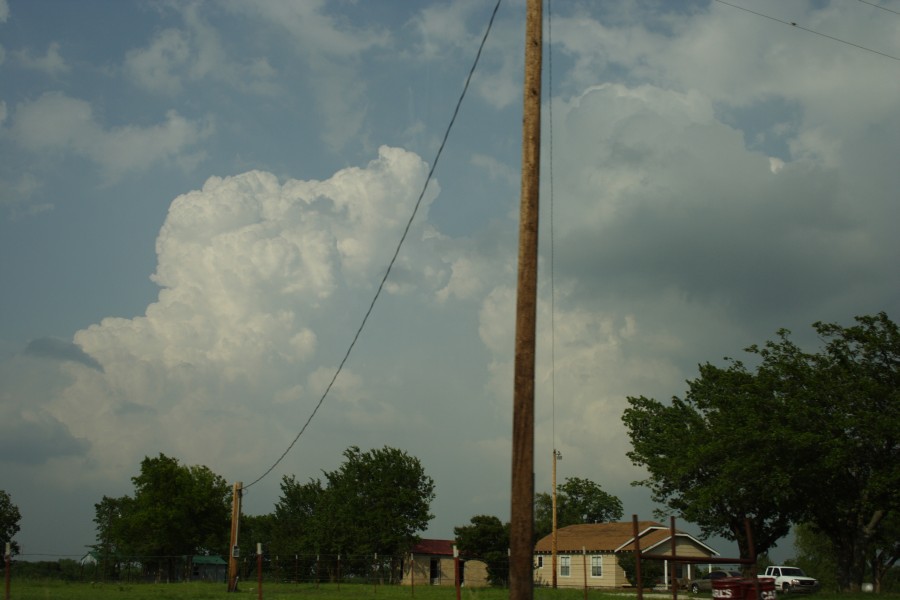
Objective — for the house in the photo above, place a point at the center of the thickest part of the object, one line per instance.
(432, 562)
(587, 555)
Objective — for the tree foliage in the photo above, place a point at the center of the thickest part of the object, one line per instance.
(176, 510)
(815, 555)
(711, 457)
(9, 522)
(375, 502)
(769, 445)
(578, 501)
(486, 538)
(652, 571)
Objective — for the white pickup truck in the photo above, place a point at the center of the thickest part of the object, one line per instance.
(791, 579)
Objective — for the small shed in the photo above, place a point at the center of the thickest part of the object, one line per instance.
(209, 568)
(431, 562)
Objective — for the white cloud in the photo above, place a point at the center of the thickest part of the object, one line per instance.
(195, 53)
(158, 66)
(17, 196)
(311, 27)
(56, 122)
(250, 270)
(333, 51)
(51, 63)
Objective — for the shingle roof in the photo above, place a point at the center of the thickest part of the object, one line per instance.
(609, 537)
(434, 547)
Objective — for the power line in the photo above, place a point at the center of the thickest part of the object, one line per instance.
(797, 26)
(396, 251)
(552, 243)
(896, 12)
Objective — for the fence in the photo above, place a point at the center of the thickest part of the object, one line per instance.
(370, 569)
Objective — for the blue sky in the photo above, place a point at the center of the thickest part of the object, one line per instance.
(198, 200)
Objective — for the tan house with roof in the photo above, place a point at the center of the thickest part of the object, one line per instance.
(587, 555)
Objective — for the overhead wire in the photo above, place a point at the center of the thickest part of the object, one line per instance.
(896, 12)
(552, 244)
(813, 31)
(396, 251)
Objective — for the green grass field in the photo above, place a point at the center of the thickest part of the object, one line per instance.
(47, 590)
(53, 590)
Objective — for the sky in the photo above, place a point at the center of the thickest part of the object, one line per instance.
(198, 201)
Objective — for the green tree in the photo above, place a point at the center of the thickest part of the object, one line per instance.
(577, 501)
(258, 529)
(885, 552)
(9, 522)
(815, 555)
(300, 524)
(176, 511)
(487, 539)
(716, 456)
(377, 501)
(769, 445)
(111, 517)
(651, 570)
(845, 415)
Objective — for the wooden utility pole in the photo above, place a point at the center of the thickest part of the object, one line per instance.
(235, 526)
(521, 532)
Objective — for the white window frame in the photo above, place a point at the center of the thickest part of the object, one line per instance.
(565, 566)
(596, 565)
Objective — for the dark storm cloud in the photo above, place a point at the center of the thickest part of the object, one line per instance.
(58, 349)
(33, 441)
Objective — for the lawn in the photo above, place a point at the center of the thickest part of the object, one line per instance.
(60, 590)
(53, 589)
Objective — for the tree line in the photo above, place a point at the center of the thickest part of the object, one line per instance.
(374, 503)
(809, 439)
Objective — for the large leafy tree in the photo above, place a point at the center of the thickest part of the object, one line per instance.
(9, 522)
(886, 550)
(114, 540)
(486, 538)
(258, 529)
(770, 445)
(714, 456)
(176, 510)
(298, 516)
(814, 554)
(845, 403)
(375, 502)
(578, 501)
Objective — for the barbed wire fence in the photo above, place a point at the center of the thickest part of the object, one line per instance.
(289, 568)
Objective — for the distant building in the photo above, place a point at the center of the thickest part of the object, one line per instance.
(209, 568)
(432, 563)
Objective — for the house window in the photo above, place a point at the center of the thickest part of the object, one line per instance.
(596, 566)
(540, 562)
(564, 566)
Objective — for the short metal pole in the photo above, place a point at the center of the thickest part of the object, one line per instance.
(7, 557)
(259, 571)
